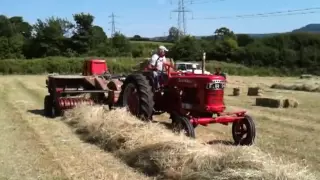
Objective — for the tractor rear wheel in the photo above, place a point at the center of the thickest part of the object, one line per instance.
(137, 96)
(49, 108)
(181, 123)
(244, 131)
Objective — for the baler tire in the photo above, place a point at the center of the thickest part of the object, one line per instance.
(251, 132)
(186, 125)
(49, 109)
(145, 95)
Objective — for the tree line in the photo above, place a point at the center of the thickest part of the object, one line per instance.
(55, 36)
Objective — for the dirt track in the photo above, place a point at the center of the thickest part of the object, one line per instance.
(34, 147)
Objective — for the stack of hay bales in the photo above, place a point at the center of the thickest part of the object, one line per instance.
(236, 91)
(254, 91)
(277, 102)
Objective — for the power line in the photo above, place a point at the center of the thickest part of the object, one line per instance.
(113, 24)
(202, 1)
(269, 14)
(182, 21)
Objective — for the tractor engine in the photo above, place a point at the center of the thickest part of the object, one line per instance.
(214, 95)
(201, 94)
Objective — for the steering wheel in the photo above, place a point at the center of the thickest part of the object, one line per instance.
(167, 67)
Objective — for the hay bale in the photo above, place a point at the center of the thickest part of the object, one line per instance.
(277, 102)
(290, 103)
(236, 91)
(254, 91)
(306, 76)
(269, 102)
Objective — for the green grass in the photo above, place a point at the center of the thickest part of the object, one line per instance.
(123, 65)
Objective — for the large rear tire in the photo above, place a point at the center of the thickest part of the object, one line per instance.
(137, 96)
(243, 127)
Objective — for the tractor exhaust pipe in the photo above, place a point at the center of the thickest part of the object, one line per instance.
(203, 62)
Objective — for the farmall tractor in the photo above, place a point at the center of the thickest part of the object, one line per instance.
(190, 99)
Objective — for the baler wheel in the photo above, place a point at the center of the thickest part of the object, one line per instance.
(137, 95)
(243, 127)
(49, 109)
(181, 123)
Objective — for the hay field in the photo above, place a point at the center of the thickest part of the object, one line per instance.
(34, 147)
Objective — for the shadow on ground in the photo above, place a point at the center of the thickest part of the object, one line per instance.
(37, 111)
(224, 142)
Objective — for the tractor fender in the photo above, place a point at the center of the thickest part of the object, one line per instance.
(115, 85)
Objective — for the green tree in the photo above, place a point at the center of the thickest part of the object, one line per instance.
(82, 33)
(50, 37)
(224, 32)
(188, 48)
(244, 39)
(121, 44)
(174, 34)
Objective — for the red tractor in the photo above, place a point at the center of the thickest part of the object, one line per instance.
(190, 99)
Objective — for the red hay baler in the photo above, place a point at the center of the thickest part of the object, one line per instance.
(190, 99)
(95, 86)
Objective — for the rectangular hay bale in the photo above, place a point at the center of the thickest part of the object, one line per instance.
(254, 91)
(236, 91)
(269, 102)
(277, 102)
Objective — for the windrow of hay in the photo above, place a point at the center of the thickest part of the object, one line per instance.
(156, 151)
(310, 87)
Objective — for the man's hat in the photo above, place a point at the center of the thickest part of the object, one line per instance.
(163, 48)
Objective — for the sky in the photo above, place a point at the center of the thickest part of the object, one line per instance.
(149, 18)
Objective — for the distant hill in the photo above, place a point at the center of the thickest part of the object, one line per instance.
(312, 28)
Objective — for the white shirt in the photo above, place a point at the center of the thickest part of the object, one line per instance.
(157, 61)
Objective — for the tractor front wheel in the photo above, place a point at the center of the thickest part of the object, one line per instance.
(137, 96)
(244, 131)
(182, 124)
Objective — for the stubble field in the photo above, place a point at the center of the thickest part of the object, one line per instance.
(34, 147)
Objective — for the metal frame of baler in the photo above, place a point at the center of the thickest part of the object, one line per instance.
(56, 95)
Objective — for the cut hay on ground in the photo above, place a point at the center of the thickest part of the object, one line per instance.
(156, 151)
(310, 87)
(276, 102)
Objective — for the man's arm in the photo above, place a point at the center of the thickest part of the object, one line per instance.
(152, 62)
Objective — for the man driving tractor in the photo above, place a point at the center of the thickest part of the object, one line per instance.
(219, 72)
(156, 64)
